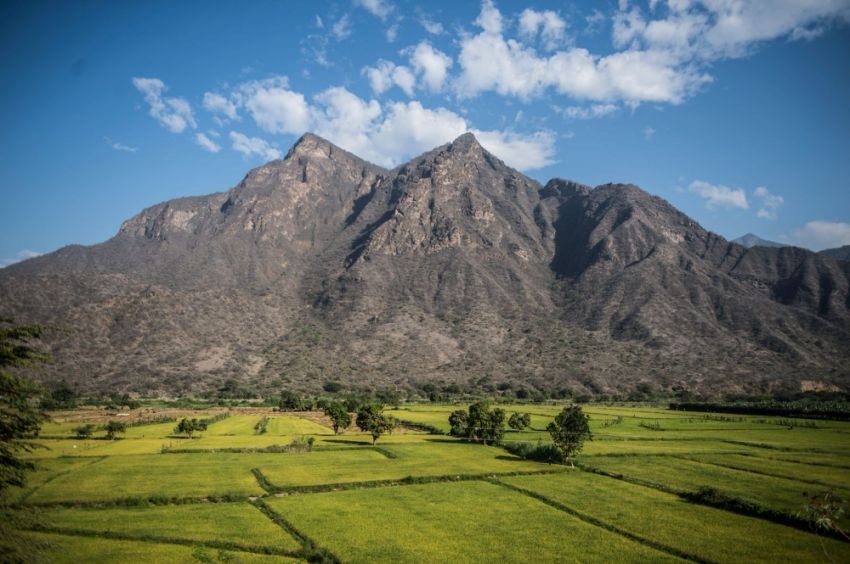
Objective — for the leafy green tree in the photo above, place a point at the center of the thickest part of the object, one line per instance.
(480, 424)
(20, 421)
(290, 401)
(188, 426)
(339, 416)
(84, 431)
(519, 421)
(112, 429)
(569, 430)
(371, 420)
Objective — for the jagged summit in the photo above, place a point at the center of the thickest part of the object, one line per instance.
(751, 240)
(451, 267)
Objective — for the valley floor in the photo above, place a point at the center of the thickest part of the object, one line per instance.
(225, 495)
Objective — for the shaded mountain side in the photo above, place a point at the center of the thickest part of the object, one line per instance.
(452, 267)
(839, 253)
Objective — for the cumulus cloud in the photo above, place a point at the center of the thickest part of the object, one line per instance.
(19, 256)
(120, 146)
(392, 33)
(218, 104)
(526, 152)
(207, 143)
(589, 112)
(490, 62)
(378, 8)
(274, 107)
(550, 27)
(173, 113)
(432, 64)
(386, 74)
(717, 195)
(431, 26)
(250, 146)
(820, 234)
(770, 203)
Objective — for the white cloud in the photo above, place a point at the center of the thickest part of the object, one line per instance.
(250, 146)
(490, 18)
(432, 64)
(594, 21)
(19, 256)
(392, 33)
(589, 112)
(489, 61)
(174, 113)
(274, 107)
(120, 146)
(525, 152)
(548, 24)
(770, 203)
(342, 28)
(820, 234)
(386, 75)
(218, 104)
(648, 132)
(378, 8)
(717, 195)
(432, 27)
(207, 143)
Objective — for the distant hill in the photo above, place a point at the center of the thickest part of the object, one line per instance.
(452, 269)
(749, 240)
(840, 253)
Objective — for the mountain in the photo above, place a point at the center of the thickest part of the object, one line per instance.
(749, 240)
(840, 253)
(450, 269)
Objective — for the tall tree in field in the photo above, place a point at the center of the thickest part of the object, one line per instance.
(569, 430)
(480, 424)
(339, 416)
(371, 420)
(20, 420)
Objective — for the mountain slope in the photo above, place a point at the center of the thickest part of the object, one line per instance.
(452, 267)
(750, 240)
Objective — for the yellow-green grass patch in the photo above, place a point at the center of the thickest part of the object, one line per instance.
(291, 425)
(239, 522)
(160, 475)
(234, 425)
(418, 460)
(452, 522)
(827, 476)
(75, 549)
(706, 532)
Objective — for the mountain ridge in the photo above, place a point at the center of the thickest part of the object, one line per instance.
(451, 267)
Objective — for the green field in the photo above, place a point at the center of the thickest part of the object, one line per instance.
(414, 497)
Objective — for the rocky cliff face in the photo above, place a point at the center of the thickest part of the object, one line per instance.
(452, 267)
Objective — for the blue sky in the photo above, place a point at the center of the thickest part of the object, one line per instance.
(736, 112)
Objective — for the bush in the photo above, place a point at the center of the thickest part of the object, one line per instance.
(541, 452)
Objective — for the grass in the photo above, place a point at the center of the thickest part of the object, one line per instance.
(452, 522)
(667, 519)
(126, 500)
(239, 523)
(75, 549)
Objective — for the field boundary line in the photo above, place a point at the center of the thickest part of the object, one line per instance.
(23, 499)
(762, 473)
(310, 549)
(139, 501)
(115, 535)
(803, 462)
(602, 524)
(406, 481)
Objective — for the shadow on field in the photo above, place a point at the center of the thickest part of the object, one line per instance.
(348, 442)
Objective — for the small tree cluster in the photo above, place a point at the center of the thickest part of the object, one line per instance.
(519, 421)
(84, 431)
(480, 423)
(189, 426)
(112, 429)
(339, 416)
(569, 430)
(371, 420)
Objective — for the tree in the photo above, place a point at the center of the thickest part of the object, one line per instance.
(339, 416)
(519, 421)
(371, 420)
(84, 431)
(112, 429)
(20, 421)
(569, 430)
(479, 424)
(189, 426)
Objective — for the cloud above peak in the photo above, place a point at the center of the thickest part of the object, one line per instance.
(175, 114)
